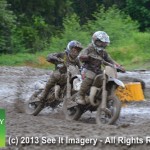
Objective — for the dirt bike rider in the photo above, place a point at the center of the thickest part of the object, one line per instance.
(92, 66)
(62, 61)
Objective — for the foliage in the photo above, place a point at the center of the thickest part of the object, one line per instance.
(72, 31)
(27, 26)
(85, 8)
(25, 59)
(35, 37)
(47, 26)
(7, 20)
(36, 23)
(139, 10)
(134, 52)
(118, 25)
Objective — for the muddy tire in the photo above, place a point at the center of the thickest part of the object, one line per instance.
(33, 106)
(71, 110)
(73, 113)
(38, 109)
(110, 117)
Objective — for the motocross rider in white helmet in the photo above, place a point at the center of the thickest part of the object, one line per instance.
(92, 66)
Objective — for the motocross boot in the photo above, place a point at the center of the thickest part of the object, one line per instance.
(50, 84)
(81, 100)
(85, 86)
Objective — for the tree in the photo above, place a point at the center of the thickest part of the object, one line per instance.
(139, 10)
(7, 20)
(37, 22)
(72, 31)
(114, 22)
(85, 8)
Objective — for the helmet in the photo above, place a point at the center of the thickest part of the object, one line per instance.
(102, 37)
(71, 45)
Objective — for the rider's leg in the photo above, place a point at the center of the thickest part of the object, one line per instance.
(85, 86)
(54, 78)
(98, 81)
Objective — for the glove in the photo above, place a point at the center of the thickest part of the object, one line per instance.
(57, 60)
(120, 68)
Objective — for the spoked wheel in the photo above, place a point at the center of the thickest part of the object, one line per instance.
(73, 113)
(111, 114)
(71, 109)
(34, 106)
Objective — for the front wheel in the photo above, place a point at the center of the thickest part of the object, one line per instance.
(73, 113)
(34, 106)
(72, 110)
(112, 114)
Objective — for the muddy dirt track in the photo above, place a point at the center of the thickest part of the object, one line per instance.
(132, 130)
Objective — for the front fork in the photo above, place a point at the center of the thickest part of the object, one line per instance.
(68, 92)
(104, 93)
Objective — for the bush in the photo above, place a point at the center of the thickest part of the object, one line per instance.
(72, 31)
(134, 52)
(7, 21)
(118, 25)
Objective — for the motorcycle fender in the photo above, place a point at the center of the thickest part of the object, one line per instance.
(39, 85)
(77, 84)
(120, 83)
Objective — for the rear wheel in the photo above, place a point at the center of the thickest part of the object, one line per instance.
(112, 114)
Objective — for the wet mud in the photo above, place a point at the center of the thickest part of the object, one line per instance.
(50, 129)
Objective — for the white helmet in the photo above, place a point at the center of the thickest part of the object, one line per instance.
(100, 36)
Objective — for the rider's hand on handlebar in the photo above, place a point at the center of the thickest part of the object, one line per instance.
(58, 60)
(120, 68)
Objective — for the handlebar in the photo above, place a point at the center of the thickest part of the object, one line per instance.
(118, 68)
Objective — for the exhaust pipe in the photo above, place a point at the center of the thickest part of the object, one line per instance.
(57, 91)
(93, 101)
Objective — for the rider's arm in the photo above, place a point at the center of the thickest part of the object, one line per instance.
(78, 63)
(55, 57)
(108, 58)
(83, 56)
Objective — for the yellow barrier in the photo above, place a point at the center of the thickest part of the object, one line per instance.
(132, 92)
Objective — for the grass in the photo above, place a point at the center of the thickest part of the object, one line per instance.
(131, 58)
(132, 53)
(24, 59)
(38, 60)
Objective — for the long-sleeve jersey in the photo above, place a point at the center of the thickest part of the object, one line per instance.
(91, 63)
(62, 66)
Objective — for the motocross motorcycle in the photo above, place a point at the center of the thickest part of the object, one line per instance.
(101, 99)
(34, 106)
(56, 95)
